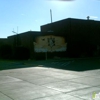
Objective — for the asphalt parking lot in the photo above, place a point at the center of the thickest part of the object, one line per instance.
(67, 64)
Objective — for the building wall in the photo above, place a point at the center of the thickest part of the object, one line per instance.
(61, 28)
(75, 29)
(4, 48)
(51, 44)
(25, 40)
(82, 36)
(74, 37)
(3, 41)
(20, 41)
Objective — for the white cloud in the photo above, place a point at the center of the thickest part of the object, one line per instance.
(94, 17)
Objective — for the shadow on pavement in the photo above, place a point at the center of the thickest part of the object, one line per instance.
(80, 65)
(73, 64)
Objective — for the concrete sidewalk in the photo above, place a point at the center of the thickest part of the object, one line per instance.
(41, 83)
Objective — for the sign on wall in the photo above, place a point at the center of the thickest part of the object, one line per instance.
(50, 43)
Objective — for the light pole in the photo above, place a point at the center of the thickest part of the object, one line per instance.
(16, 35)
(14, 31)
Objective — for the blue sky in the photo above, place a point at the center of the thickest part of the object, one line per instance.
(31, 14)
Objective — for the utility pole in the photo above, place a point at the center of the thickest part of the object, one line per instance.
(51, 23)
(51, 15)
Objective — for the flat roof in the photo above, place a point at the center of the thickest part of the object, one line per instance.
(70, 19)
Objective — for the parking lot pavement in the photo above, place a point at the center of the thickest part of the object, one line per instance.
(67, 64)
(41, 83)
